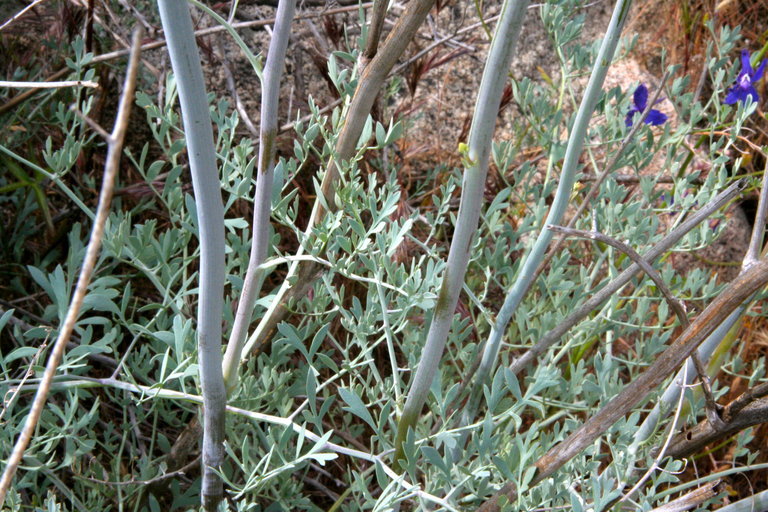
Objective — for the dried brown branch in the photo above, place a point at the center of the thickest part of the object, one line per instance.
(691, 500)
(677, 305)
(378, 14)
(305, 273)
(739, 290)
(114, 152)
(688, 442)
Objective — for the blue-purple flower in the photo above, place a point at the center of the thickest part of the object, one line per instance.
(745, 82)
(640, 102)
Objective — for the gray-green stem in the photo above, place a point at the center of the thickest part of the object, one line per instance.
(185, 59)
(476, 159)
(301, 275)
(262, 200)
(559, 204)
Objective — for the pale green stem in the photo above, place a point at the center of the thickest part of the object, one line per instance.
(300, 277)
(559, 204)
(755, 502)
(476, 169)
(185, 59)
(262, 201)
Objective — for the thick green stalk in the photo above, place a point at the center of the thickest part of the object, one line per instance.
(476, 169)
(262, 200)
(559, 204)
(185, 59)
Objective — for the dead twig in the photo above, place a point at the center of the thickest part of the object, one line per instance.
(161, 43)
(738, 291)
(676, 304)
(669, 241)
(114, 152)
(691, 500)
(688, 442)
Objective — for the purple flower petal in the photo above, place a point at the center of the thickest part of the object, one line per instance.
(751, 92)
(629, 121)
(641, 97)
(745, 83)
(655, 118)
(734, 94)
(746, 65)
(758, 74)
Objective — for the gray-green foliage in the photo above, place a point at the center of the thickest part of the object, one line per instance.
(340, 365)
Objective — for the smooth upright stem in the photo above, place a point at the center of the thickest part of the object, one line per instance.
(559, 204)
(185, 59)
(262, 200)
(600, 178)
(473, 185)
(758, 229)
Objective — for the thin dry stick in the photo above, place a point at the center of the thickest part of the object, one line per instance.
(745, 399)
(378, 14)
(693, 440)
(159, 44)
(551, 336)
(691, 500)
(677, 305)
(20, 14)
(114, 151)
(739, 290)
(50, 85)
